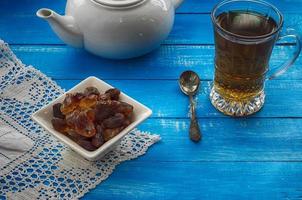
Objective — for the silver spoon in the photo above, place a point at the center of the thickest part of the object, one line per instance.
(189, 83)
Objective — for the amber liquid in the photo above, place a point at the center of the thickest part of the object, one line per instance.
(240, 66)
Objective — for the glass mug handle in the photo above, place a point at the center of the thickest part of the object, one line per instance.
(290, 33)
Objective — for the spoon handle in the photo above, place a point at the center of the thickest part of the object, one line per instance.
(195, 133)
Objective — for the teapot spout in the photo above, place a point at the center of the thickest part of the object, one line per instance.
(177, 3)
(64, 26)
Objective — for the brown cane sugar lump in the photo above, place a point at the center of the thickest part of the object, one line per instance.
(60, 125)
(82, 122)
(115, 121)
(71, 102)
(56, 108)
(125, 108)
(113, 93)
(86, 144)
(91, 90)
(98, 139)
(88, 102)
(108, 134)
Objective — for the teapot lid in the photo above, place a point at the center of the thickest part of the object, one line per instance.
(118, 3)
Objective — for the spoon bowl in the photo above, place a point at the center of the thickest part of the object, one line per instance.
(189, 83)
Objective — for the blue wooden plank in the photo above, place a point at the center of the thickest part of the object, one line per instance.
(61, 62)
(226, 140)
(283, 99)
(188, 29)
(205, 6)
(189, 6)
(199, 180)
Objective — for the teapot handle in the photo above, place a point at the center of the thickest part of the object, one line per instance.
(177, 3)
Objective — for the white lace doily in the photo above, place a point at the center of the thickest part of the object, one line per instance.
(33, 164)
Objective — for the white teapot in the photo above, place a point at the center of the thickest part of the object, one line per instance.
(115, 29)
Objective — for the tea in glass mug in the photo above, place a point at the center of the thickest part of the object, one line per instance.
(245, 33)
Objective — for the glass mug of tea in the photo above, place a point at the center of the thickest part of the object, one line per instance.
(245, 33)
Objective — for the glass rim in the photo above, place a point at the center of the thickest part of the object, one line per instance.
(280, 23)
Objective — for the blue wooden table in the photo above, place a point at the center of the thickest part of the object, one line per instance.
(259, 157)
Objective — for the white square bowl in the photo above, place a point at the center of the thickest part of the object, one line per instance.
(45, 114)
